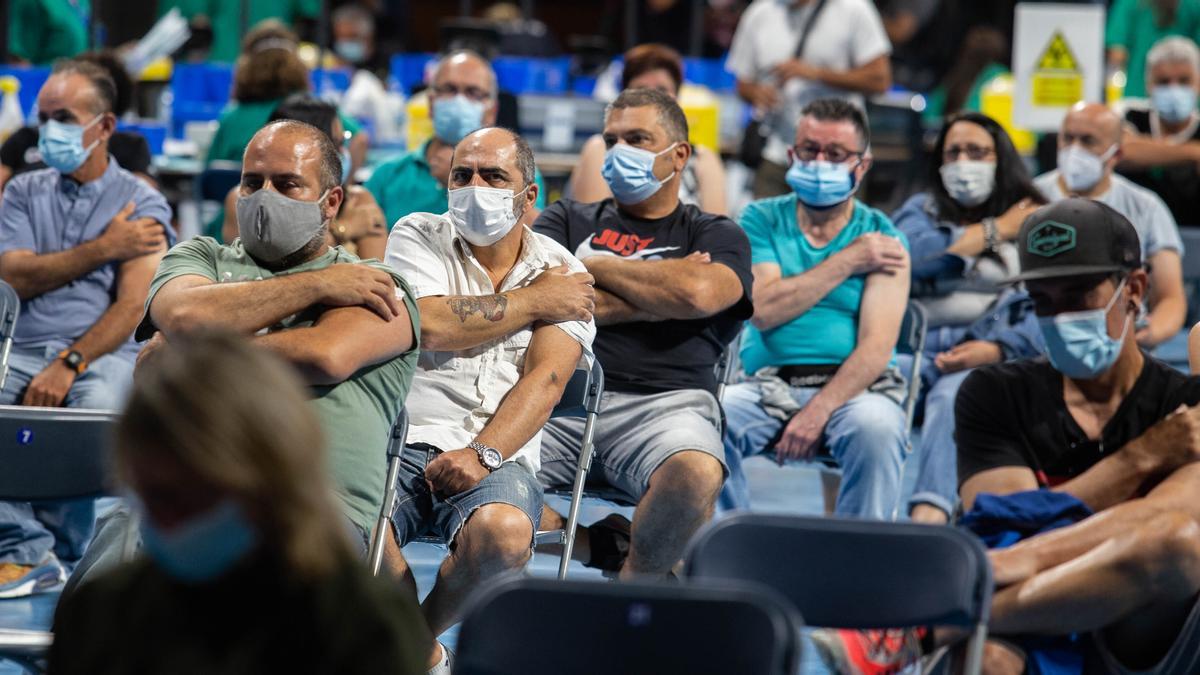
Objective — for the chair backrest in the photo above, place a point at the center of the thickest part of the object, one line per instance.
(1191, 270)
(852, 573)
(532, 625)
(217, 179)
(581, 396)
(54, 453)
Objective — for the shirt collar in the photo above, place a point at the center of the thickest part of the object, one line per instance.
(533, 253)
(73, 188)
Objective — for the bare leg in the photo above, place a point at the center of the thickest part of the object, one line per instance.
(1149, 576)
(679, 500)
(495, 539)
(928, 514)
(553, 520)
(396, 567)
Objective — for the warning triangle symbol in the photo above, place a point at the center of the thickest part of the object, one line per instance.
(1057, 55)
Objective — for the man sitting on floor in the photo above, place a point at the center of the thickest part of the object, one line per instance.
(673, 287)
(831, 279)
(507, 319)
(1105, 423)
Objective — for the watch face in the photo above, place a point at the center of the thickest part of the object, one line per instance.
(492, 458)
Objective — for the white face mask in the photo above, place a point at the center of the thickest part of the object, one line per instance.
(483, 215)
(1080, 169)
(968, 182)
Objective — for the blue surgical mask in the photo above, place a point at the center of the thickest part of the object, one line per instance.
(61, 144)
(351, 51)
(821, 184)
(203, 548)
(1078, 343)
(454, 118)
(1174, 102)
(629, 172)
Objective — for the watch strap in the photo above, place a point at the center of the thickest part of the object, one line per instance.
(991, 234)
(74, 360)
(480, 449)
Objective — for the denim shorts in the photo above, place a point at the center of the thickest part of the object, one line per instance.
(419, 513)
(635, 434)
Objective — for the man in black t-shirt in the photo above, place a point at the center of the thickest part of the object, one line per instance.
(1107, 424)
(672, 289)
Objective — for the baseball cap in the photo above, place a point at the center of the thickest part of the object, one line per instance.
(1076, 237)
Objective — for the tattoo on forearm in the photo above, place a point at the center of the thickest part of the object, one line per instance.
(490, 307)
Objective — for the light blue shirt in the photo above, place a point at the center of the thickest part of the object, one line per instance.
(46, 212)
(827, 332)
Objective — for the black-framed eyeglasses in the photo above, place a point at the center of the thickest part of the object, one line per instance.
(808, 152)
(975, 153)
(473, 93)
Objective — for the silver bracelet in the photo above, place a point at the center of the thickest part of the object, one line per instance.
(991, 236)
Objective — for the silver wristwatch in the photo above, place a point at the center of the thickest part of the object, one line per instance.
(489, 457)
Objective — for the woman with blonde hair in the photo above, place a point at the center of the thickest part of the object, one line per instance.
(247, 564)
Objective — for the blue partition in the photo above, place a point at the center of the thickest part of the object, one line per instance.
(31, 79)
(408, 71)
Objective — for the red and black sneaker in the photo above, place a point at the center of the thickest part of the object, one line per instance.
(869, 652)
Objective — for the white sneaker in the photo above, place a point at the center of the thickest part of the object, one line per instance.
(446, 665)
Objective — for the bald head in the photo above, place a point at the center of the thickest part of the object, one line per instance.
(496, 158)
(465, 67)
(303, 145)
(1094, 119)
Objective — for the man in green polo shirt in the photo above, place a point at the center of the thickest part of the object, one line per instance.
(462, 99)
(349, 326)
(41, 31)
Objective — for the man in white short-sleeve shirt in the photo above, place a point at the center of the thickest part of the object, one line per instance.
(506, 317)
(1089, 148)
(846, 56)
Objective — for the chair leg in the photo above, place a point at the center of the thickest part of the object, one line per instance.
(974, 663)
(831, 483)
(383, 526)
(586, 450)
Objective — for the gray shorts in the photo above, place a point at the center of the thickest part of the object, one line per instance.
(419, 513)
(635, 433)
(1183, 658)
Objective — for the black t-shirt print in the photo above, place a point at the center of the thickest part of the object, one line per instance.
(1013, 414)
(652, 357)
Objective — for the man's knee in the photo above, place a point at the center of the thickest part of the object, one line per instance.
(496, 534)
(875, 430)
(1168, 552)
(690, 473)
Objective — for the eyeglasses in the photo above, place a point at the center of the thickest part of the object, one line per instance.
(807, 152)
(473, 93)
(974, 152)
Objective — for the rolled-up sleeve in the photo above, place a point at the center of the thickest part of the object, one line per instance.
(928, 240)
(16, 225)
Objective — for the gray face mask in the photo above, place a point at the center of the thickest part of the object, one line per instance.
(273, 226)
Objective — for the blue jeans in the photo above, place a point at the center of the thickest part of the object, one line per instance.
(29, 531)
(866, 436)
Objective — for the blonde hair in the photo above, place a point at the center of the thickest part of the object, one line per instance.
(237, 418)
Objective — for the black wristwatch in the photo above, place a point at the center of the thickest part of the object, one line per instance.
(489, 457)
(74, 360)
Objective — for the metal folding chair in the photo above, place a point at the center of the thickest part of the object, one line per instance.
(857, 574)
(630, 628)
(580, 398)
(50, 454)
(10, 309)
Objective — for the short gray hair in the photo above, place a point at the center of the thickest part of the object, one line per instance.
(103, 86)
(357, 15)
(469, 53)
(670, 115)
(1174, 49)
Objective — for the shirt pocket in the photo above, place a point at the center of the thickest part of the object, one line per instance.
(514, 349)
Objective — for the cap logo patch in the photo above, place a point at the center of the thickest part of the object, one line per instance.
(1051, 238)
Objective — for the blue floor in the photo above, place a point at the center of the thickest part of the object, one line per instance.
(791, 489)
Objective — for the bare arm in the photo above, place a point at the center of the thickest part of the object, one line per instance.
(118, 322)
(612, 309)
(588, 184)
(190, 302)
(1168, 302)
(778, 300)
(674, 289)
(873, 77)
(1144, 152)
(710, 176)
(549, 363)
(341, 342)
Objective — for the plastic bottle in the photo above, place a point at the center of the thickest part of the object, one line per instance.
(11, 115)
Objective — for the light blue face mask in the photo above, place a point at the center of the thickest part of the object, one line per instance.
(347, 179)
(1078, 343)
(454, 118)
(61, 144)
(203, 548)
(1174, 102)
(820, 184)
(629, 172)
(351, 51)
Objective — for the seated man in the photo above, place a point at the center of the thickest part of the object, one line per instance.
(1089, 146)
(507, 318)
(673, 287)
(1103, 423)
(79, 242)
(831, 281)
(1162, 145)
(350, 327)
(462, 98)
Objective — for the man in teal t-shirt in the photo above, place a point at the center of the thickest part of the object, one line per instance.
(830, 287)
(462, 98)
(350, 327)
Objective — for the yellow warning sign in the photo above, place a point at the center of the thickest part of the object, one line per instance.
(1057, 80)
